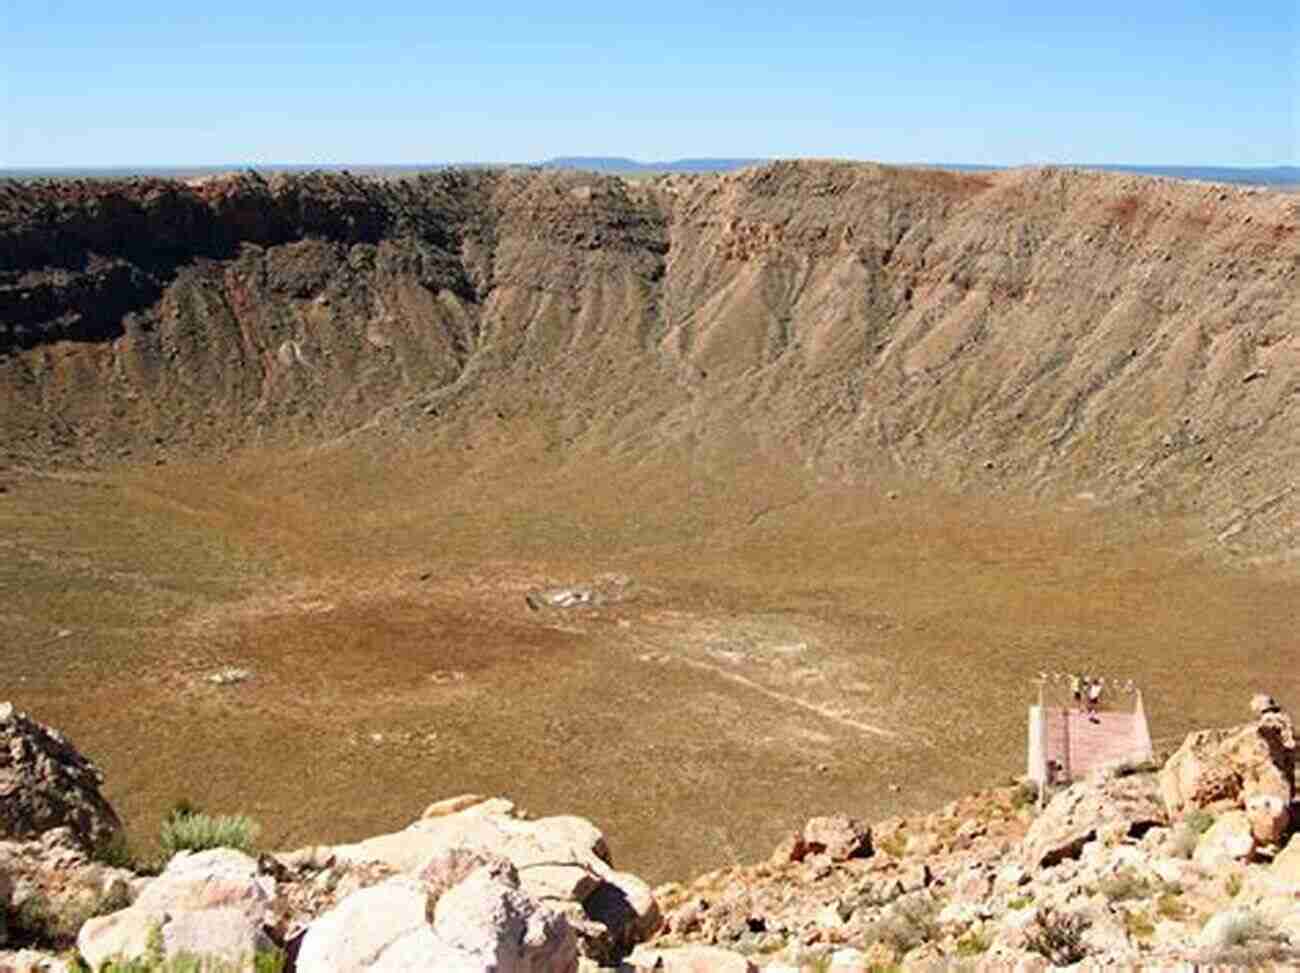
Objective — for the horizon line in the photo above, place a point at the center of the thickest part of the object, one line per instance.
(651, 164)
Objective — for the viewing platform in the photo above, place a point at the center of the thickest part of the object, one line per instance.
(1066, 741)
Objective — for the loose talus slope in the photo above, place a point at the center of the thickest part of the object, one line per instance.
(1046, 331)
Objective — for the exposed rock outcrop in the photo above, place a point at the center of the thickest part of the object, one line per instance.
(50, 885)
(484, 922)
(1250, 768)
(1105, 808)
(839, 837)
(210, 904)
(562, 861)
(1100, 875)
(45, 783)
(1081, 315)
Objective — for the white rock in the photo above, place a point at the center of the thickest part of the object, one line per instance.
(219, 878)
(454, 805)
(225, 935)
(1269, 817)
(569, 882)
(451, 866)
(1172, 871)
(210, 904)
(1009, 877)
(121, 935)
(488, 918)
(357, 931)
(959, 914)
(828, 916)
(1229, 839)
(1225, 929)
(34, 961)
(849, 961)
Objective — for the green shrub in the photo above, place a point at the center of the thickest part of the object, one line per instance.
(1025, 795)
(1198, 820)
(189, 829)
(894, 845)
(1138, 924)
(266, 962)
(116, 853)
(1232, 885)
(973, 944)
(1169, 906)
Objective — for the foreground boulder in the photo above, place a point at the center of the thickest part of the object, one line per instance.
(562, 862)
(1228, 840)
(45, 783)
(50, 885)
(485, 922)
(1103, 808)
(211, 904)
(1251, 767)
(839, 837)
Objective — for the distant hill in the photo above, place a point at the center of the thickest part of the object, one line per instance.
(1257, 176)
(618, 164)
(1262, 176)
(1117, 354)
(1282, 177)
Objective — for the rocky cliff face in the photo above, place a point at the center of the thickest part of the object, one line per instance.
(1035, 330)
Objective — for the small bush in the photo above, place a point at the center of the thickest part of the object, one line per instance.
(908, 923)
(1247, 928)
(973, 944)
(894, 845)
(1198, 820)
(1246, 939)
(1130, 768)
(1232, 885)
(1025, 795)
(1021, 902)
(266, 962)
(1124, 886)
(1169, 906)
(33, 923)
(1057, 937)
(1138, 924)
(189, 829)
(116, 852)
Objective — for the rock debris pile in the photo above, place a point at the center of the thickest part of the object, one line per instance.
(1195, 861)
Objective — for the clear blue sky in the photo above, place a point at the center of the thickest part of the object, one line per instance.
(88, 82)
